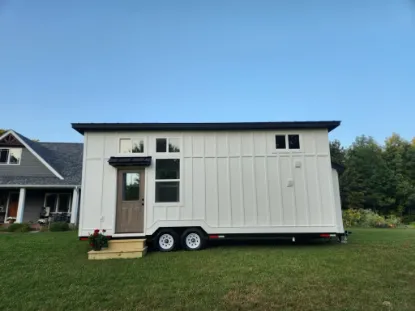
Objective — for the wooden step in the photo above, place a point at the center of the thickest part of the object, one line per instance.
(111, 254)
(126, 245)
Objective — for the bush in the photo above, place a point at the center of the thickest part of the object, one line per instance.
(407, 219)
(20, 227)
(368, 218)
(59, 226)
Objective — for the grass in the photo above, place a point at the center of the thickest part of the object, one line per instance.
(49, 271)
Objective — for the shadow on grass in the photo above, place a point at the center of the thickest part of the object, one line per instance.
(261, 243)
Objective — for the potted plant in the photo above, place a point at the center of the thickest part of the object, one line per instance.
(98, 240)
(11, 220)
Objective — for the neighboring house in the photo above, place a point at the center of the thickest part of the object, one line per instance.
(185, 182)
(34, 175)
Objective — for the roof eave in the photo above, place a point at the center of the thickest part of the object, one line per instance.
(234, 126)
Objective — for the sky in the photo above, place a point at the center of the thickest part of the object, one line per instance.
(207, 61)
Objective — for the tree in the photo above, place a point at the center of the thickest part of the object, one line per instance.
(365, 180)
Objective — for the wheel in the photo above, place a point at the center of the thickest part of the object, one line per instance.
(166, 240)
(193, 239)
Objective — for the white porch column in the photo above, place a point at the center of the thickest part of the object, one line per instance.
(75, 205)
(21, 205)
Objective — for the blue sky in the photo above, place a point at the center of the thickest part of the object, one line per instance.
(200, 61)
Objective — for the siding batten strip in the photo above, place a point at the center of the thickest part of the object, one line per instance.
(267, 181)
(241, 184)
(254, 185)
(229, 181)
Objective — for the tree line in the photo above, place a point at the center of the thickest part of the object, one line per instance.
(377, 177)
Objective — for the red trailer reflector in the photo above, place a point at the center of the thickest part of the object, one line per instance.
(213, 236)
(324, 235)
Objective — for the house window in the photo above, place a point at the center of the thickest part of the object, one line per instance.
(292, 141)
(280, 142)
(170, 145)
(58, 202)
(10, 156)
(167, 180)
(128, 145)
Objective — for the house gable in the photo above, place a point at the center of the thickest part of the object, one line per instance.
(31, 163)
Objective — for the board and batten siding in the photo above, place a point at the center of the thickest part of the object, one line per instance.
(29, 166)
(229, 181)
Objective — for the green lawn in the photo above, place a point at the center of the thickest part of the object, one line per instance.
(49, 271)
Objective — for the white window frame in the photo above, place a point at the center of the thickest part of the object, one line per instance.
(8, 156)
(287, 145)
(57, 201)
(180, 181)
(167, 145)
(131, 139)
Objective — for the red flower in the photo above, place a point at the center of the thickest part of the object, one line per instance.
(96, 230)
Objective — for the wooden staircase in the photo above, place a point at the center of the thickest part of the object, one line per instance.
(131, 248)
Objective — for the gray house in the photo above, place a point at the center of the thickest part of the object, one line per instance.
(37, 176)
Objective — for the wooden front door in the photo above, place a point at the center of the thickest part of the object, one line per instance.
(13, 204)
(130, 201)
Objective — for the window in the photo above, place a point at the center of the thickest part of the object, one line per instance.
(167, 180)
(131, 187)
(128, 145)
(58, 202)
(161, 145)
(10, 156)
(280, 142)
(172, 143)
(293, 141)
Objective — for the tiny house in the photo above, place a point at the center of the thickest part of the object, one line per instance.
(181, 184)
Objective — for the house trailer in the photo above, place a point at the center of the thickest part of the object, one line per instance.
(181, 184)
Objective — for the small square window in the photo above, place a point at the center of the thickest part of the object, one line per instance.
(161, 145)
(125, 145)
(294, 141)
(138, 146)
(280, 142)
(174, 145)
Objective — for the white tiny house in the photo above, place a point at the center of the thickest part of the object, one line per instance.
(188, 182)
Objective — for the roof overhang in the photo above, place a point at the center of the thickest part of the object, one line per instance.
(129, 161)
(41, 186)
(233, 126)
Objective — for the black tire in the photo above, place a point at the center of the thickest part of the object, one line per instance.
(166, 240)
(197, 239)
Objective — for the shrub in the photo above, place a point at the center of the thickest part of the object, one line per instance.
(58, 226)
(407, 219)
(368, 218)
(20, 227)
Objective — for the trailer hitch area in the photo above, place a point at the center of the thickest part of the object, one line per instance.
(342, 238)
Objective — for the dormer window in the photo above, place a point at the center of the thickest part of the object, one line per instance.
(10, 156)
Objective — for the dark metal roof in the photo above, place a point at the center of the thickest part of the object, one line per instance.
(233, 126)
(65, 158)
(130, 161)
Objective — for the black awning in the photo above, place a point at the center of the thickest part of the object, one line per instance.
(129, 161)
